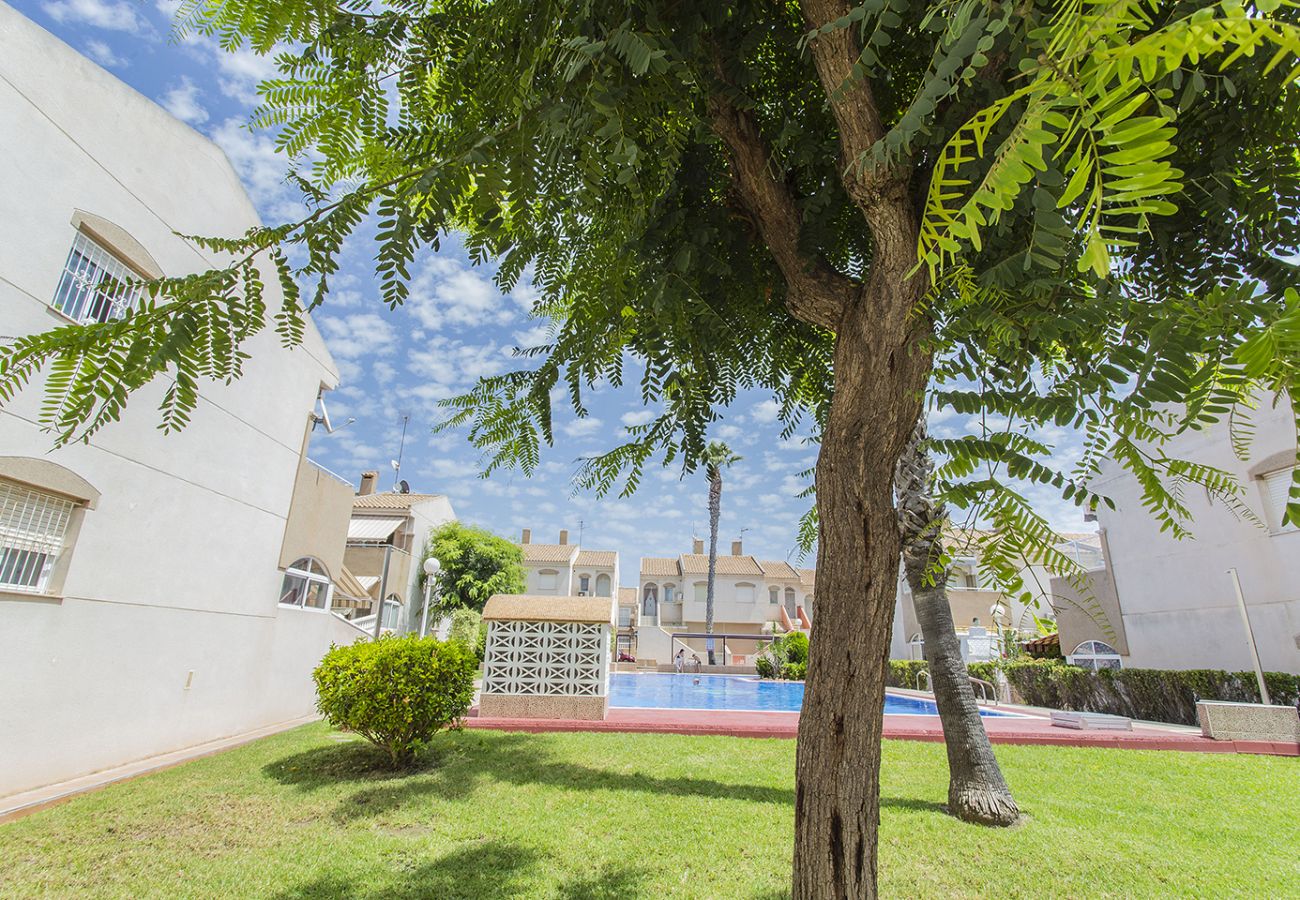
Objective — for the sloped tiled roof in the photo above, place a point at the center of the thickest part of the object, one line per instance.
(548, 553)
(698, 564)
(597, 557)
(627, 595)
(808, 576)
(778, 568)
(659, 565)
(1092, 538)
(389, 500)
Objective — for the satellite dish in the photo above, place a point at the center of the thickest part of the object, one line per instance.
(403, 487)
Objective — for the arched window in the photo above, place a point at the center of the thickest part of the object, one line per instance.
(547, 581)
(916, 647)
(650, 600)
(306, 584)
(744, 592)
(773, 595)
(584, 583)
(603, 585)
(791, 606)
(1095, 655)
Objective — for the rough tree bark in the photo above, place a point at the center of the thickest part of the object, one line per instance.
(977, 791)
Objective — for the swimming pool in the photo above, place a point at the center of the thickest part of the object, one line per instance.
(671, 691)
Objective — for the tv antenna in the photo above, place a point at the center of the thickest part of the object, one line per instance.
(323, 417)
(581, 525)
(397, 463)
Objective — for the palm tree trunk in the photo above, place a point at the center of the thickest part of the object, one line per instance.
(715, 512)
(977, 791)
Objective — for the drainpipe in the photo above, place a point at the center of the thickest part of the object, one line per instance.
(383, 590)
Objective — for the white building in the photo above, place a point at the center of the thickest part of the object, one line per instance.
(567, 570)
(387, 535)
(1167, 603)
(749, 593)
(141, 574)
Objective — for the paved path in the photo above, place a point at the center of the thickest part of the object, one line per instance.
(1032, 729)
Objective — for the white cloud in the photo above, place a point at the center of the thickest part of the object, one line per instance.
(383, 372)
(446, 292)
(765, 412)
(730, 433)
(182, 101)
(261, 168)
(111, 16)
(640, 417)
(361, 334)
(535, 336)
(103, 54)
(582, 427)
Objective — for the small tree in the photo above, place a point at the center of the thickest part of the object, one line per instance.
(396, 692)
(475, 565)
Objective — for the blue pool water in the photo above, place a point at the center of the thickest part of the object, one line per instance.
(669, 691)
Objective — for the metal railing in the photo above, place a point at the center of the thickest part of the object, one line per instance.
(986, 691)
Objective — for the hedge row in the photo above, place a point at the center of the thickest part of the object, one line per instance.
(1159, 695)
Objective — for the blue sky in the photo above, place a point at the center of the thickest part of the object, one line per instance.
(456, 327)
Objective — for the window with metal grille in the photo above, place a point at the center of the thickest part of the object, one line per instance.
(32, 526)
(96, 286)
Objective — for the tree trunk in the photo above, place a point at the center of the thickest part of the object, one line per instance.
(976, 790)
(715, 512)
(881, 368)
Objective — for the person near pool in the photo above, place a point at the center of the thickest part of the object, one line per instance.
(679, 661)
(696, 666)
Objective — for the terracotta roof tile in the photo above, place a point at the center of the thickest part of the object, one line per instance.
(597, 557)
(627, 595)
(807, 576)
(778, 568)
(698, 564)
(389, 500)
(534, 608)
(658, 565)
(548, 553)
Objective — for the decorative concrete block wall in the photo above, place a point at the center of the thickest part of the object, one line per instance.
(547, 657)
(1227, 721)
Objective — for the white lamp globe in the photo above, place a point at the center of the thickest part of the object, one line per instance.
(432, 567)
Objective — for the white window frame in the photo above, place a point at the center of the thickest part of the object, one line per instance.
(774, 596)
(545, 575)
(33, 531)
(1276, 488)
(1092, 653)
(743, 588)
(584, 583)
(81, 295)
(308, 575)
(701, 592)
(670, 593)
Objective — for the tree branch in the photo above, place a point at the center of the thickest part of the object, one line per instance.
(816, 293)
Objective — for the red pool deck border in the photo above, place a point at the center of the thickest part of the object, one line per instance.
(740, 723)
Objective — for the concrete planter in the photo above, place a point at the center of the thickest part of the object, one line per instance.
(1227, 721)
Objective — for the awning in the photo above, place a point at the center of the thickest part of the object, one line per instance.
(373, 528)
(368, 582)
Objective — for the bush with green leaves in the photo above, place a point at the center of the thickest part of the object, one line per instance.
(796, 647)
(468, 627)
(794, 671)
(396, 692)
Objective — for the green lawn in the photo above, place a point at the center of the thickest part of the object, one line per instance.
(306, 814)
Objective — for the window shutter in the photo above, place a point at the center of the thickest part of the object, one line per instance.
(32, 526)
(1277, 490)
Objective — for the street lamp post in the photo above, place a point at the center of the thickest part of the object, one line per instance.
(431, 569)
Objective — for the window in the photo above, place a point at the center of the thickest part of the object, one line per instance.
(547, 579)
(1095, 655)
(790, 605)
(744, 592)
(773, 595)
(306, 584)
(392, 612)
(701, 591)
(584, 583)
(1277, 490)
(96, 286)
(624, 617)
(669, 590)
(32, 528)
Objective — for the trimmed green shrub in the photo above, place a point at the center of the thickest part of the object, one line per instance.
(468, 627)
(794, 671)
(396, 692)
(765, 665)
(1158, 695)
(796, 647)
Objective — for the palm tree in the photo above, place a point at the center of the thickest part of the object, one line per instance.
(977, 791)
(717, 456)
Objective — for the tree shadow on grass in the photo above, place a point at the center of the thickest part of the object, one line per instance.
(486, 870)
(914, 805)
(456, 764)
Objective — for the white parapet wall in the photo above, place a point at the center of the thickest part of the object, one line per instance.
(1227, 721)
(547, 657)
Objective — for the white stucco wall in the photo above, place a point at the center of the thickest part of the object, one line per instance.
(175, 570)
(1177, 600)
